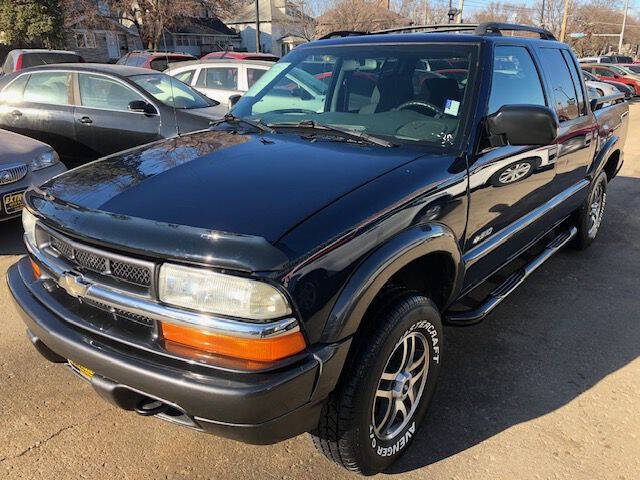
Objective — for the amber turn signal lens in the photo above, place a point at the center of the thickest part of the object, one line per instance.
(36, 270)
(256, 349)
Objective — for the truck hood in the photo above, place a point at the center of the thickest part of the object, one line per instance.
(220, 181)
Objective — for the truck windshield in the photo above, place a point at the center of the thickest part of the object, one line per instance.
(408, 93)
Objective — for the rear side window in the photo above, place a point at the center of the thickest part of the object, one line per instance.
(515, 79)
(45, 87)
(7, 66)
(577, 83)
(564, 91)
(185, 77)
(253, 75)
(13, 93)
(101, 92)
(225, 78)
(37, 59)
(135, 60)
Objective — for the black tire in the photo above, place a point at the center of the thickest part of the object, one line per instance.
(588, 219)
(348, 432)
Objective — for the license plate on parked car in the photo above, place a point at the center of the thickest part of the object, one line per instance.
(12, 202)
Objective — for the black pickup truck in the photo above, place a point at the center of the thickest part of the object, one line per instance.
(289, 270)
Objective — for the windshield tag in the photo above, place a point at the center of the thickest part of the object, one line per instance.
(451, 107)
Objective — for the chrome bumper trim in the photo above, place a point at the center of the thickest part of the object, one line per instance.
(142, 305)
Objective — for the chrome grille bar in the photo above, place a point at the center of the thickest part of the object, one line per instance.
(13, 174)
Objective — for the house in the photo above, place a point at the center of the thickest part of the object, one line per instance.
(282, 26)
(103, 40)
(200, 35)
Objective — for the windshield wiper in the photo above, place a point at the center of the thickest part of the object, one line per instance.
(231, 118)
(345, 131)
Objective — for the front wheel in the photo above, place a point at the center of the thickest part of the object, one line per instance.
(589, 216)
(386, 386)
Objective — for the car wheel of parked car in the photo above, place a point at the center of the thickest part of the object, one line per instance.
(386, 386)
(589, 215)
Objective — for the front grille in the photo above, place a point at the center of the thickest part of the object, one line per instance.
(134, 317)
(13, 174)
(104, 263)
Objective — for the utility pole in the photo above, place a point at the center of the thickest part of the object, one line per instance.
(426, 12)
(542, 15)
(565, 15)
(257, 26)
(624, 24)
(460, 7)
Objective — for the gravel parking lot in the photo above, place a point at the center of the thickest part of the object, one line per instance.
(547, 387)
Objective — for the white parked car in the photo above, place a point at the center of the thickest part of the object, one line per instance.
(24, 162)
(222, 79)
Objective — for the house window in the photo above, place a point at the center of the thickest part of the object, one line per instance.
(85, 39)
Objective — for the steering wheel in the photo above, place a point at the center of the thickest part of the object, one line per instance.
(421, 103)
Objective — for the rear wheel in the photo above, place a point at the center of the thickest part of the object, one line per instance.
(386, 385)
(589, 216)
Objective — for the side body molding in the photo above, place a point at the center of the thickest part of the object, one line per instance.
(375, 270)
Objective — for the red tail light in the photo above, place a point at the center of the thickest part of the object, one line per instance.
(19, 63)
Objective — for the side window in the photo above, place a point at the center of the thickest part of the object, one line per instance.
(185, 77)
(253, 75)
(515, 79)
(225, 78)
(101, 92)
(45, 87)
(160, 64)
(13, 93)
(564, 92)
(577, 83)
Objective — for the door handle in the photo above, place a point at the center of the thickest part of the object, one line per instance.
(86, 120)
(16, 113)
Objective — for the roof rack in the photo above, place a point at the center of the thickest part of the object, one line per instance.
(489, 28)
(343, 33)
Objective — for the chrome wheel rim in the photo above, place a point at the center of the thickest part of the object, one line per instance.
(400, 386)
(515, 172)
(598, 199)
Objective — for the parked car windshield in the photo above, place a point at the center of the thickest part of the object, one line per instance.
(172, 92)
(375, 89)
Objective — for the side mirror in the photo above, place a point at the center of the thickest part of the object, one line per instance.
(233, 99)
(522, 125)
(140, 106)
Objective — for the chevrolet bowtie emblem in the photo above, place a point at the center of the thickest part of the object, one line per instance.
(74, 284)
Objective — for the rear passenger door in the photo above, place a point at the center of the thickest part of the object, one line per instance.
(578, 132)
(507, 184)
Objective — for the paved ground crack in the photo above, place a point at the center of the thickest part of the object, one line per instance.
(40, 443)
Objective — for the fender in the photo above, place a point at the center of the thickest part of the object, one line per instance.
(600, 160)
(365, 283)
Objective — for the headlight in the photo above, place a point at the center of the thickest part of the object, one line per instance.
(44, 160)
(217, 293)
(29, 224)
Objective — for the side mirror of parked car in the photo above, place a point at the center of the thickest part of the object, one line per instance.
(233, 99)
(522, 125)
(141, 106)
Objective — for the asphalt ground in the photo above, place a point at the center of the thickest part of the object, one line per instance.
(547, 387)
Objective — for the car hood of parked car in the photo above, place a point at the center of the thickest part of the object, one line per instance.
(253, 186)
(15, 148)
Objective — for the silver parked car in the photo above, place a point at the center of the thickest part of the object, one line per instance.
(24, 162)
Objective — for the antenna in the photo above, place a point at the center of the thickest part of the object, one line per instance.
(173, 97)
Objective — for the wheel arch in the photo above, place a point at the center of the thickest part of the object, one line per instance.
(607, 159)
(402, 257)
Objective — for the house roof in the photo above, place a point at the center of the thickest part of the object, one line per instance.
(207, 26)
(99, 23)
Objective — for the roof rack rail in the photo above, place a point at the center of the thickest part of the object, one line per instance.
(438, 27)
(495, 28)
(343, 33)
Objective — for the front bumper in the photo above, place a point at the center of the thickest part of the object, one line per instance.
(258, 408)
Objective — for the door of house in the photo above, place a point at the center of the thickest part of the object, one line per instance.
(112, 45)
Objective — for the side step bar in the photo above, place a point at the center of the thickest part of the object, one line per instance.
(471, 317)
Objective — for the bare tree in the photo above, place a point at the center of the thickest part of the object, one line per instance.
(358, 15)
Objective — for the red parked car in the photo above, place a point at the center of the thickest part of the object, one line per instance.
(33, 57)
(153, 60)
(241, 56)
(608, 75)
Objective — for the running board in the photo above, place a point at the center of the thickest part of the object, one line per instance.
(471, 317)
